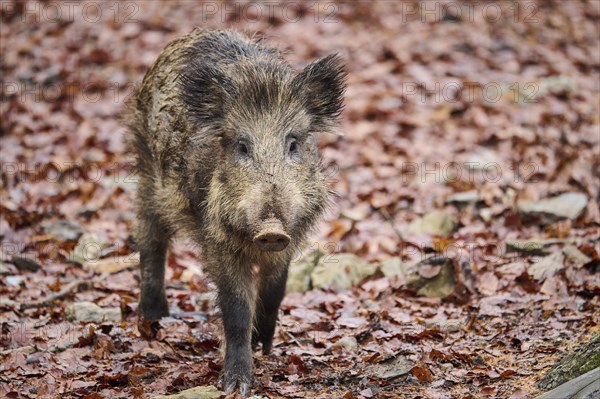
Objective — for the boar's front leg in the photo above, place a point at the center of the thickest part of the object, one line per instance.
(271, 292)
(236, 296)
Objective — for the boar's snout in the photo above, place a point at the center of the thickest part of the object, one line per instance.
(272, 237)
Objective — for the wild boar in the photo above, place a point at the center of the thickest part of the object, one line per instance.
(223, 131)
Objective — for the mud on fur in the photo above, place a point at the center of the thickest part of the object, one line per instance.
(223, 130)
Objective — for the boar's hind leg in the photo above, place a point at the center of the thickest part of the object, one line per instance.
(152, 242)
(236, 296)
(270, 294)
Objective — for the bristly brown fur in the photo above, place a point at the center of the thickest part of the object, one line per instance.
(223, 132)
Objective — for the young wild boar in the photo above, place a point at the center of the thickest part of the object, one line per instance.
(223, 132)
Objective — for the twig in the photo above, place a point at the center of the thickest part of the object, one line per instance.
(388, 218)
(49, 300)
(295, 340)
(73, 286)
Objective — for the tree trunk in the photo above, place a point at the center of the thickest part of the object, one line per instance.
(583, 363)
(585, 386)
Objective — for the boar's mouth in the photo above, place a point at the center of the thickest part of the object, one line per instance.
(271, 236)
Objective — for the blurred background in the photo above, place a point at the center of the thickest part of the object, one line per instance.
(469, 128)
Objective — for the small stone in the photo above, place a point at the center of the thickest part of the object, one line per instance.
(441, 285)
(391, 368)
(300, 271)
(547, 266)
(90, 312)
(436, 223)
(452, 326)
(201, 392)
(64, 343)
(341, 271)
(392, 267)
(568, 205)
(573, 254)
(444, 325)
(89, 248)
(63, 230)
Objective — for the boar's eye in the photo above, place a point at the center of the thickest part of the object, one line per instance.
(242, 148)
(292, 147)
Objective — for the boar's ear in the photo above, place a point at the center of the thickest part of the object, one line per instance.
(204, 91)
(321, 87)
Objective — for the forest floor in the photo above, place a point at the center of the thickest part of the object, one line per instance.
(471, 131)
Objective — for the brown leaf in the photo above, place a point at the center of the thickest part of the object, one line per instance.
(422, 373)
(488, 283)
(436, 355)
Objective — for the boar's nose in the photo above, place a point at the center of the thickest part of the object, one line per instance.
(272, 238)
(272, 241)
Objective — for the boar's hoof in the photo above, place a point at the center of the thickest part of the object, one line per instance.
(147, 328)
(235, 382)
(272, 240)
(148, 317)
(266, 341)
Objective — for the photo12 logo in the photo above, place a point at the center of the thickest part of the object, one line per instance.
(470, 171)
(325, 12)
(61, 91)
(118, 12)
(470, 11)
